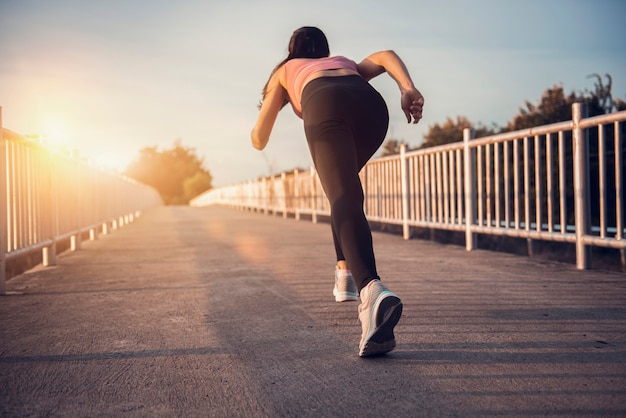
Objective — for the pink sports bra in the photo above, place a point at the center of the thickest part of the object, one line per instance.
(298, 72)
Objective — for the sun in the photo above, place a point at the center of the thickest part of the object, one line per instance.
(57, 133)
(54, 131)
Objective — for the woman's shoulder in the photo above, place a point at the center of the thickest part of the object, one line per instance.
(298, 62)
(344, 58)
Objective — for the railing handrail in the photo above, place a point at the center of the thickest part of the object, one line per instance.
(46, 196)
(516, 184)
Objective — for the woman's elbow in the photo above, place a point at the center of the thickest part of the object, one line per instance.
(257, 142)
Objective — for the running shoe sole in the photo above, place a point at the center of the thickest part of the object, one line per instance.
(382, 339)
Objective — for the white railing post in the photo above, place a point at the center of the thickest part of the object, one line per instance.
(49, 253)
(470, 182)
(581, 188)
(283, 180)
(406, 229)
(296, 193)
(314, 197)
(3, 210)
(266, 196)
(76, 239)
(619, 192)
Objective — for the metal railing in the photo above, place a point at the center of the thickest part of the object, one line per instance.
(562, 182)
(46, 197)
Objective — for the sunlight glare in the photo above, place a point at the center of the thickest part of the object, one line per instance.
(114, 160)
(56, 134)
(54, 131)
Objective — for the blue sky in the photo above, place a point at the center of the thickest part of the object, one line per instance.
(109, 78)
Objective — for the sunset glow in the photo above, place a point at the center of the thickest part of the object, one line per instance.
(55, 130)
(111, 78)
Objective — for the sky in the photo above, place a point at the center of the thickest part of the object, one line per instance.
(106, 79)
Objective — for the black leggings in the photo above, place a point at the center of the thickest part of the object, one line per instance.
(345, 122)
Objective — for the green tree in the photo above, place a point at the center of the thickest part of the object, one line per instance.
(196, 184)
(554, 106)
(176, 173)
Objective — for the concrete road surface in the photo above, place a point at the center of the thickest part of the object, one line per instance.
(211, 312)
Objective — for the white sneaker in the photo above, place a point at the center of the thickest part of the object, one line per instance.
(345, 288)
(379, 312)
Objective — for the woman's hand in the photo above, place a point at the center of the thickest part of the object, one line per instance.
(412, 100)
(412, 103)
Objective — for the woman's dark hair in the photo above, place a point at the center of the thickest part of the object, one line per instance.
(306, 42)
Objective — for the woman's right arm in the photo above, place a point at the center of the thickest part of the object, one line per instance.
(272, 103)
(411, 100)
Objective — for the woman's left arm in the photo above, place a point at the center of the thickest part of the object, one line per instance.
(411, 101)
(272, 103)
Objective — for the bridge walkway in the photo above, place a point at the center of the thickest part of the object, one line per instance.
(215, 312)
